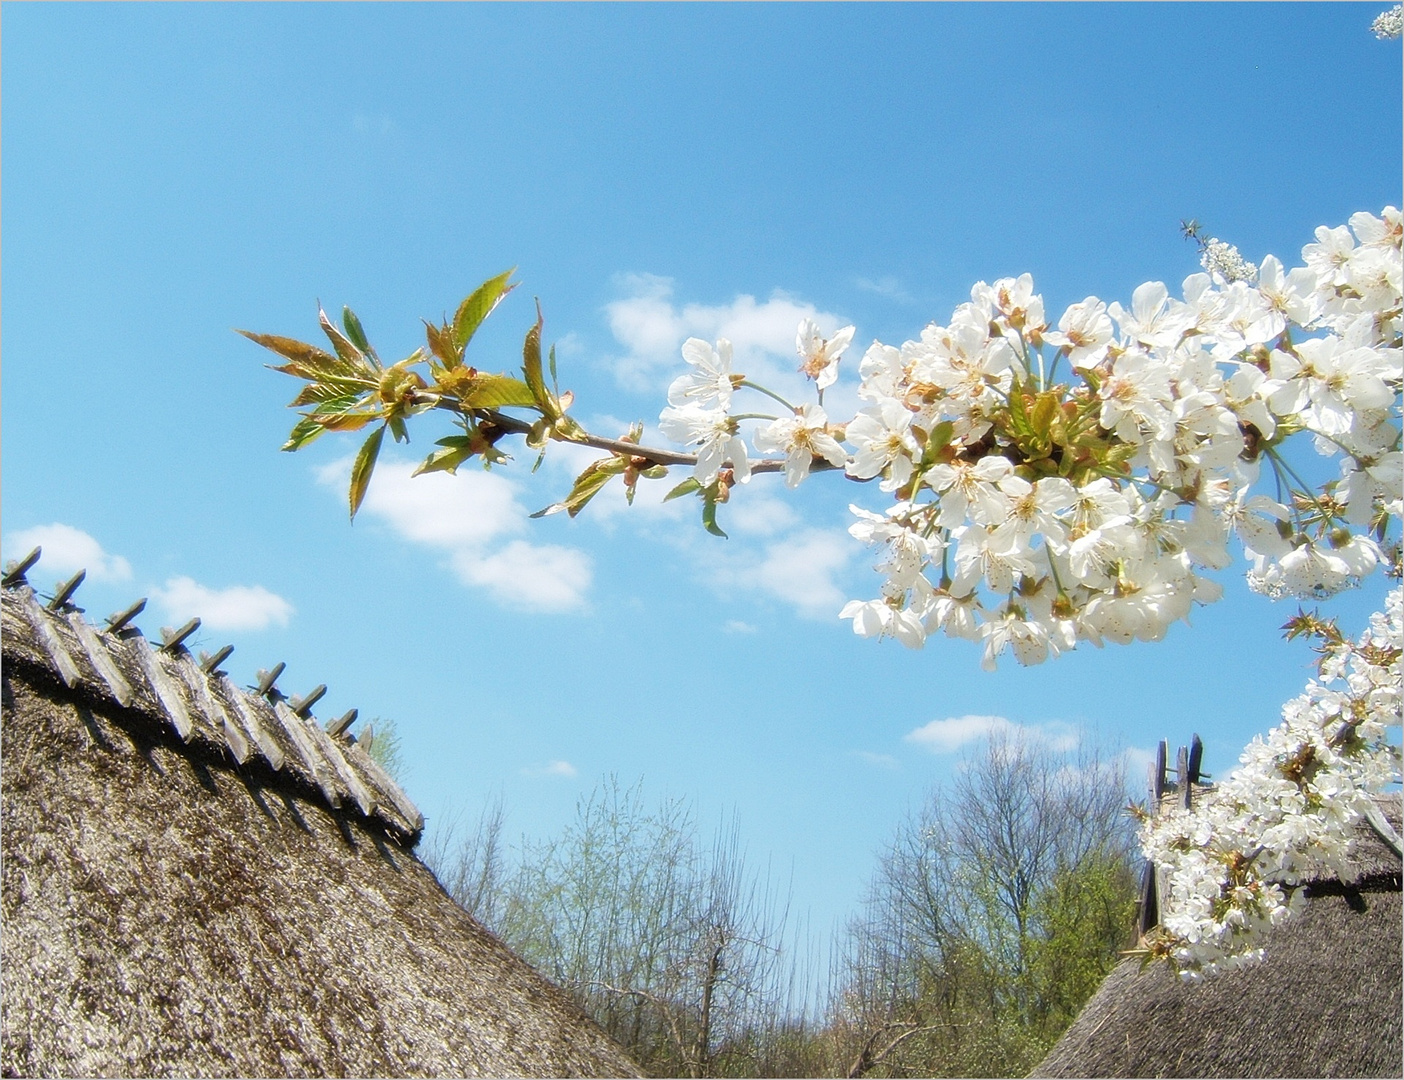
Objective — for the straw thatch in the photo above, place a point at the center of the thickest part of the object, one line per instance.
(201, 881)
(1325, 1002)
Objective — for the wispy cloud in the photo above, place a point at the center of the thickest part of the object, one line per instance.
(551, 768)
(238, 607)
(949, 735)
(798, 569)
(881, 761)
(652, 328)
(736, 626)
(469, 517)
(67, 550)
(887, 286)
(1137, 763)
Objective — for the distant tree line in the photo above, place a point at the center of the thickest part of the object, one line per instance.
(993, 915)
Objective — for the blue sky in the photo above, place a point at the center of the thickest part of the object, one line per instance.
(172, 172)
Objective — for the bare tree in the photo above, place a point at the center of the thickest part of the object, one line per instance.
(675, 947)
(471, 863)
(994, 913)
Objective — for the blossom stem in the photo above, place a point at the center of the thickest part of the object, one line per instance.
(768, 393)
(1306, 491)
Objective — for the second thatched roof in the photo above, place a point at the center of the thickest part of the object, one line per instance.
(1325, 1002)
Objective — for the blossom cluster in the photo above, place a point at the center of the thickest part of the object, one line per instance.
(1035, 510)
(1233, 863)
(1389, 24)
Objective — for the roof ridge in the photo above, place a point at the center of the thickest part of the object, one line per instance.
(200, 702)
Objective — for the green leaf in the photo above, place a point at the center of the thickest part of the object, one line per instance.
(687, 487)
(555, 384)
(355, 332)
(458, 450)
(348, 353)
(531, 368)
(327, 395)
(364, 466)
(938, 440)
(478, 306)
(398, 429)
(440, 340)
(709, 512)
(587, 485)
(308, 361)
(498, 391)
(303, 432)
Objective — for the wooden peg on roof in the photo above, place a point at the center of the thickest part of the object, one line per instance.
(1182, 780)
(1150, 913)
(1157, 775)
(210, 664)
(303, 705)
(171, 640)
(66, 590)
(116, 623)
(267, 679)
(14, 573)
(1196, 760)
(337, 728)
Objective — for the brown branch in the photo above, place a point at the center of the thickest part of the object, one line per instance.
(650, 454)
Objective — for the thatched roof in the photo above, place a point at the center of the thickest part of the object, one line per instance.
(199, 880)
(1325, 1002)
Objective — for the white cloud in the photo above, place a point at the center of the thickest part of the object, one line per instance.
(736, 626)
(949, 735)
(537, 577)
(239, 607)
(551, 768)
(881, 761)
(436, 509)
(652, 328)
(799, 570)
(1137, 763)
(757, 513)
(468, 517)
(68, 550)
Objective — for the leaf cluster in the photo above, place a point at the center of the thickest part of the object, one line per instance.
(348, 388)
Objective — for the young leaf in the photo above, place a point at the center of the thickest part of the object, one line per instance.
(343, 421)
(709, 512)
(440, 339)
(348, 353)
(531, 368)
(587, 485)
(687, 487)
(303, 432)
(498, 391)
(459, 450)
(555, 386)
(476, 307)
(363, 467)
(355, 332)
(327, 396)
(308, 361)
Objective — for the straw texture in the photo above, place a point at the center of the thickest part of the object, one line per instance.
(168, 910)
(1325, 1002)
